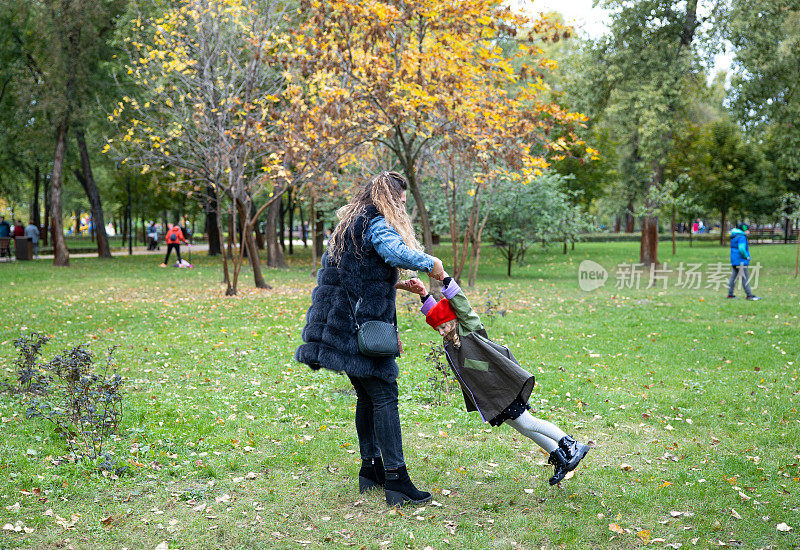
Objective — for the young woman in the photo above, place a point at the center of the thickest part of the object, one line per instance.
(373, 239)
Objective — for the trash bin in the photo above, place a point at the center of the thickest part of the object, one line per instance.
(24, 248)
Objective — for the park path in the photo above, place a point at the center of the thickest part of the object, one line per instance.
(137, 251)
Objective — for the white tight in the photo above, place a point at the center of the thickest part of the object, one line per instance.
(545, 434)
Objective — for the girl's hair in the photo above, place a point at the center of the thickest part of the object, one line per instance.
(383, 191)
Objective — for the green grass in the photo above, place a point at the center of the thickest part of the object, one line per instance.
(698, 394)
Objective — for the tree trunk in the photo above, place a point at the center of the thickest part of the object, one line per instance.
(648, 247)
(231, 235)
(35, 214)
(616, 224)
(78, 222)
(282, 224)
(256, 229)
(87, 181)
(291, 220)
(274, 251)
(510, 258)
(319, 233)
(723, 221)
(226, 277)
(250, 244)
(311, 216)
(674, 250)
(630, 221)
(303, 228)
(60, 253)
(213, 229)
(427, 235)
(46, 228)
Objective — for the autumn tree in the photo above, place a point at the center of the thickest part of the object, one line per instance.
(216, 112)
(418, 70)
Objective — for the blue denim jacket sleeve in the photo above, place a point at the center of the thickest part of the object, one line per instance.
(388, 243)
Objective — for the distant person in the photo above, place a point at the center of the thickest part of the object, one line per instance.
(152, 237)
(695, 227)
(5, 233)
(740, 259)
(19, 229)
(173, 238)
(32, 232)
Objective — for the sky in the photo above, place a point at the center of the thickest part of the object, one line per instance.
(594, 21)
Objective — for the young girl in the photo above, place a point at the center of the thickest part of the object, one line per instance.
(491, 379)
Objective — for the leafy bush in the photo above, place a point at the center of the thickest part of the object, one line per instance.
(30, 376)
(494, 306)
(441, 378)
(80, 399)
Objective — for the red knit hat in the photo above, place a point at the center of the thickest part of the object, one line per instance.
(440, 313)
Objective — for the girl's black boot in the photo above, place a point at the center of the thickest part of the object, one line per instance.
(401, 491)
(558, 458)
(573, 450)
(371, 475)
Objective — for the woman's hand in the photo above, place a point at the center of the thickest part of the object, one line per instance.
(412, 285)
(438, 270)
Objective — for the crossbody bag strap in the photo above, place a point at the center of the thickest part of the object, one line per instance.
(349, 302)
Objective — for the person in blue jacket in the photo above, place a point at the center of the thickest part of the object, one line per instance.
(374, 237)
(740, 259)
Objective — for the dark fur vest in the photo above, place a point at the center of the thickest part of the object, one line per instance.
(330, 340)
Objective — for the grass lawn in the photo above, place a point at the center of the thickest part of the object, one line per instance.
(232, 444)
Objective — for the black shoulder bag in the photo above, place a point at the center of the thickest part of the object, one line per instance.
(375, 338)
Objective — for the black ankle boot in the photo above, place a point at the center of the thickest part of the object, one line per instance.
(371, 474)
(573, 450)
(401, 491)
(558, 458)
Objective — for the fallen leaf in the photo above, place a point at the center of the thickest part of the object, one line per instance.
(13, 507)
(625, 467)
(163, 546)
(106, 521)
(200, 507)
(784, 528)
(224, 498)
(644, 535)
(616, 528)
(735, 514)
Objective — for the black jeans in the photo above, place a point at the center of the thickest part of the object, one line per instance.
(378, 421)
(177, 248)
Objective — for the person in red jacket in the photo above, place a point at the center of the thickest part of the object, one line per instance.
(173, 238)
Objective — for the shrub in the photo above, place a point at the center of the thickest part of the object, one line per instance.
(441, 377)
(80, 399)
(30, 376)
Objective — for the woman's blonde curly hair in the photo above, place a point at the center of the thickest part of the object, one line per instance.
(383, 191)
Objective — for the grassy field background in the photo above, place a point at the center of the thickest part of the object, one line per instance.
(689, 399)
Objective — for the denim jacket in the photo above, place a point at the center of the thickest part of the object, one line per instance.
(388, 243)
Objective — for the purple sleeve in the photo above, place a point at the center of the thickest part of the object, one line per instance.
(451, 290)
(429, 303)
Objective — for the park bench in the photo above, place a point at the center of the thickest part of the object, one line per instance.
(764, 235)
